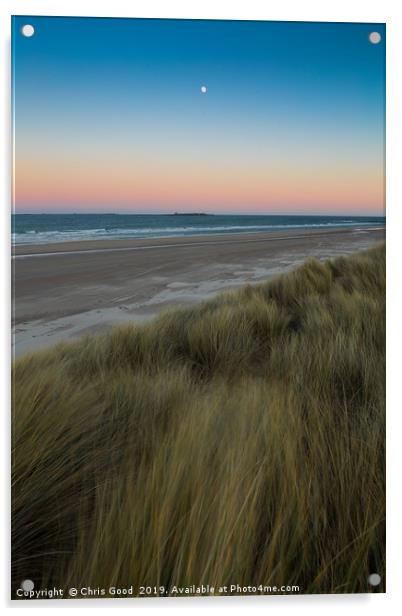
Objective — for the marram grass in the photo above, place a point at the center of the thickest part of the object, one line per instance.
(237, 442)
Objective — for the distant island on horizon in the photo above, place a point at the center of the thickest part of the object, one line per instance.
(191, 214)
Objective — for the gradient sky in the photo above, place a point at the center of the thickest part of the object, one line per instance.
(109, 116)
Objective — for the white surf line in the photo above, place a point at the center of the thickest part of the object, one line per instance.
(186, 245)
(370, 229)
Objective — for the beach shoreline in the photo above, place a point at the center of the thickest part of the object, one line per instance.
(81, 246)
(68, 289)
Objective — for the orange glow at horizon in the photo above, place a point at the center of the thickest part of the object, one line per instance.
(93, 185)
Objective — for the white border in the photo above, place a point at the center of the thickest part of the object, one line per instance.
(388, 11)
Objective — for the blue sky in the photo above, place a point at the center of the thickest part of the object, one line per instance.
(292, 120)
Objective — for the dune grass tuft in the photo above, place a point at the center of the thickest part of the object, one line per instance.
(237, 442)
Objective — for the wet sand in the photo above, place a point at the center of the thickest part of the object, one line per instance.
(68, 289)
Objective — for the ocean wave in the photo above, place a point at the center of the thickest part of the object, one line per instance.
(43, 237)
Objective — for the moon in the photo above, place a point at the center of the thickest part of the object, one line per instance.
(204, 89)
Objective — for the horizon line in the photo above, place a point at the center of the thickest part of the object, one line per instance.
(74, 213)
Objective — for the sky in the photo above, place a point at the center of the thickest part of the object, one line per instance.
(109, 116)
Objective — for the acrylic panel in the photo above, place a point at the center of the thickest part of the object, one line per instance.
(198, 323)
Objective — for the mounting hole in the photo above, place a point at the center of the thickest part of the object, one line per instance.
(27, 30)
(27, 585)
(374, 37)
(374, 579)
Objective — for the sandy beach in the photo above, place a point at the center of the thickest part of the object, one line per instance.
(68, 289)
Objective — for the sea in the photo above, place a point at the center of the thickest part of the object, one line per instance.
(46, 228)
